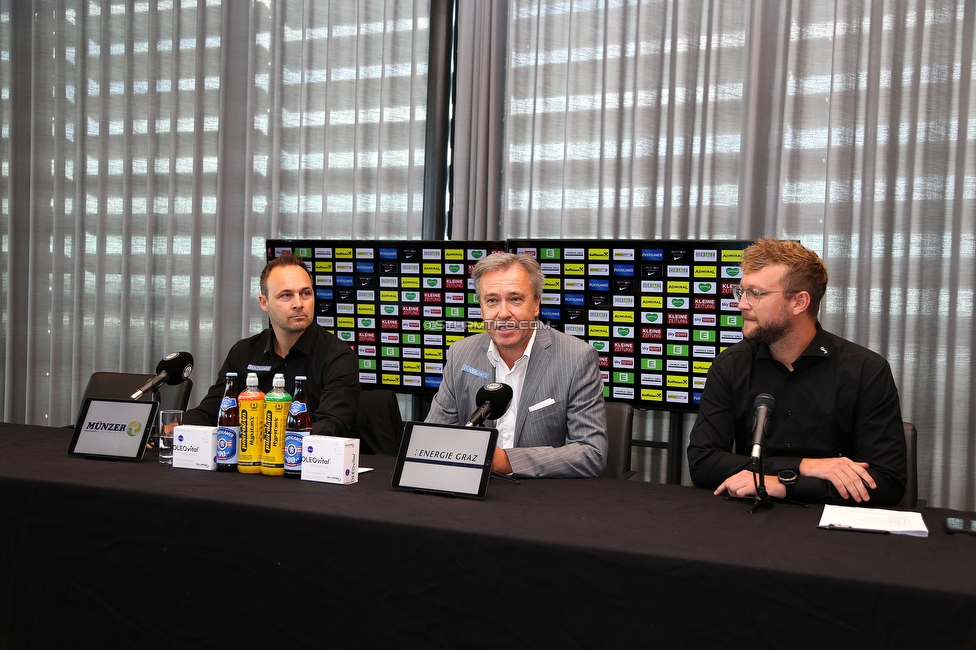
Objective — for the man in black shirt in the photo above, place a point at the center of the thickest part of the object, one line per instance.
(294, 345)
(835, 434)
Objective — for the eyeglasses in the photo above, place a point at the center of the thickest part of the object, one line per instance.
(753, 296)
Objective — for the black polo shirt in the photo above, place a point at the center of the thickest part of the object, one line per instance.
(330, 365)
(839, 400)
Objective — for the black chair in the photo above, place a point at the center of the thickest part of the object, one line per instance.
(379, 423)
(911, 485)
(620, 427)
(121, 385)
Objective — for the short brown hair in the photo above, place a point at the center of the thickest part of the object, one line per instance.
(285, 259)
(505, 261)
(805, 270)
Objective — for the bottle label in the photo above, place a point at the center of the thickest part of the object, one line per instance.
(227, 445)
(293, 450)
(297, 407)
(228, 404)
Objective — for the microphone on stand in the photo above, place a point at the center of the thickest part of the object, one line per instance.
(763, 408)
(492, 399)
(172, 369)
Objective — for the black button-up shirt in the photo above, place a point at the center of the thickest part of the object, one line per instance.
(839, 400)
(332, 369)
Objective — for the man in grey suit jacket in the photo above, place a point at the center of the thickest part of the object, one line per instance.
(556, 423)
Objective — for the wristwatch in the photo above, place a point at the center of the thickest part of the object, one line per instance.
(788, 478)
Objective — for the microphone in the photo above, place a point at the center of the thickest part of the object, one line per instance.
(763, 409)
(172, 369)
(493, 399)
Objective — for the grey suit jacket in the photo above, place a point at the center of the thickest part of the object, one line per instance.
(565, 439)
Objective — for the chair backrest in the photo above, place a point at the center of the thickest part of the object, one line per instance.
(620, 427)
(379, 423)
(120, 385)
(911, 485)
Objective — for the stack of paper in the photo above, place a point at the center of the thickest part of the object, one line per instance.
(873, 520)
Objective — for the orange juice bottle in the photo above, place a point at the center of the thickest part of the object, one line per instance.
(251, 404)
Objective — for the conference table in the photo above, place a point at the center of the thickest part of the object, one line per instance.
(140, 554)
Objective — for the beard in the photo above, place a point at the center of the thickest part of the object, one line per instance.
(769, 333)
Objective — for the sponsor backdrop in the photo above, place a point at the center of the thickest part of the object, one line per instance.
(657, 311)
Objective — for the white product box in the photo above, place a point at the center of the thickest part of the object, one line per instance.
(328, 459)
(195, 447)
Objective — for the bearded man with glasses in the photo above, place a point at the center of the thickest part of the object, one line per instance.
(835, 434)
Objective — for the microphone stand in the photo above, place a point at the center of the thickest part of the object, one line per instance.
(761, 501)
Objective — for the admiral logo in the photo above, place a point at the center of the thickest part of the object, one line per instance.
(677, 397)
(574, 269)
(411, 310)
(550, 298)
(454, 297)
(703, 351)
(730, 337)
(679, 287)
(323, 252)
(454, 283)
(410, 268)
(679, 335)
(346, 308)
(595, 284)
(366, 309)
(623, 316)
(550, 313)
(675, 365)
(346, 323)
(678, 319)
(652, 333)
(731, 272)
(623, 392)
(705, 304)
(435, 368)
(652, 254)
(574, 254)
(624, 301)
(323, 294)
(367, 378)
(575, 330)
(388, 254)
(599, 269)
(679, 271)
(600, 315)
(574, 284)
(433, 339)
(344, 281)
(604, 361)
(623, 362)
(410, 325)
(733, 256)
(600, 254)
(432, 269)
(705, 287)
(390, 337)
(390, 366)
(432, 382)
(679, 255)
(599, 299)
(623, 254)
(433, 296)
(599, 331)
(551, 269)
(344, 267)
(648, 379)
(623, 347)
(575, 299)
(706, 272)
(652, 286)
(623, 270)
(433, 312)
(706, 256)
(365, 267)
(366, 296)
(367, 350)
(412, 353)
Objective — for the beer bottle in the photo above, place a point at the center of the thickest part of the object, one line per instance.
(228, 426)
(299, 425)
(276, 405)
(251, 409)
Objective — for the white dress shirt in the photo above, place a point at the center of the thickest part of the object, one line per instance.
(514, 377)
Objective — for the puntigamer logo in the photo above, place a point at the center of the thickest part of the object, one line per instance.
(131, 429)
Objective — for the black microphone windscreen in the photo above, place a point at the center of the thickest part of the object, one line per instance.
(500, 395)
(764, 399)
(177, 366)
